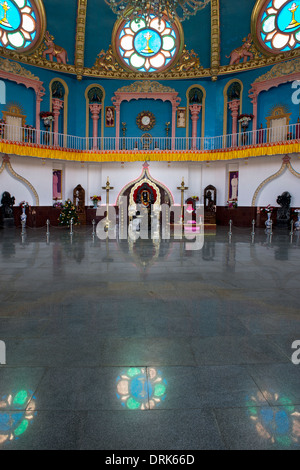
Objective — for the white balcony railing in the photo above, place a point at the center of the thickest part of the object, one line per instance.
(100, 144)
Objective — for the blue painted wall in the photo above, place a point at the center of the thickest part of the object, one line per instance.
(161, 110)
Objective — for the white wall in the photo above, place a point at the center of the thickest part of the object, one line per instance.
(93, 176)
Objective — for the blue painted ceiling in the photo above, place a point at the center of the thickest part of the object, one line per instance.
(235, 16)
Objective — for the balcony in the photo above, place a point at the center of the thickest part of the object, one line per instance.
(147, 143)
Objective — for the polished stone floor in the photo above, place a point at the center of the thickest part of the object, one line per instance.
(122, 345)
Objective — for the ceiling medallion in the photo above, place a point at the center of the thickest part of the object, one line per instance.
(145, 120)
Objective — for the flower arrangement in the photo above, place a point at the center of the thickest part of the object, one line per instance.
(95, 198)
(232, 204)
(244, 119)
(23, 204)
(47, 115)
(267, 209)
(58, 204)
(196, 198)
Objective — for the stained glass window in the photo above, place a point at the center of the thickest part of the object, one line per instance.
(277, 24)
(148, 45)
(20, 24)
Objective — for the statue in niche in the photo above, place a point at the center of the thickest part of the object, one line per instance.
(283, 213)
(242, 52)
(79, 203)
(7, 203)
(54, 51)
(210, 201)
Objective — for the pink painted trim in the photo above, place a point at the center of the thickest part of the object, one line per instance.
(195, 111)
(95, 109)
(258, 87)
(234, 108)
(29, 83)
(57, 105)
(128, 96)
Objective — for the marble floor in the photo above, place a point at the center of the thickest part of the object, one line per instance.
(165, 345)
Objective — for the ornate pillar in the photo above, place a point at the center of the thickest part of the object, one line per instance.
(95, 109)
(254, 124)
(234, 108)
(195, 111)
(57, 105)
(39, 99)
(117, 105)
(173, 130)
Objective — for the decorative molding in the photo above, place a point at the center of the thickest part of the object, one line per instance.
(286, 164)
(280, 70)
(15, 68)
(106, 65)
(146, 86)
(80, 37)
(6, 163)
(215, 39)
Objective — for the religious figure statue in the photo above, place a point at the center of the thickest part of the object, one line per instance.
(7, 203)
(54, 51)
(79, 203)
(234, 187)
(283, 213)
(242, 52)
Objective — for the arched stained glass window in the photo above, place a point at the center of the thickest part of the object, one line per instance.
(147, 45)
(22, 24)
(276, 25)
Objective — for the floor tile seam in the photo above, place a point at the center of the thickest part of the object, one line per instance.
(36, 388)
(270, 337)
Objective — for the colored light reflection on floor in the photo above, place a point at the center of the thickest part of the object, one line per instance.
(17, 410)
(141, 388)
(280, 425)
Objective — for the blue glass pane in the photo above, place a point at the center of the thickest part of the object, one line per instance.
(147, 42)
(288, 18)
(10, 18)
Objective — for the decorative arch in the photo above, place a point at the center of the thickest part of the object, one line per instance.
(87, 111)
(145, 176)
(202, 110)
(65, 101)
(286, 164)
(225, 94)
(6, 163)
(145, 90)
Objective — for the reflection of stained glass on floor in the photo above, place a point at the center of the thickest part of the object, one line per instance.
(17, 410)
(140, 388)
(279, 425)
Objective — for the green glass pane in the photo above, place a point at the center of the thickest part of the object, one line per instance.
(20, 398)
(159, 390)
(132, 404)
(133, 371)
(22, 428)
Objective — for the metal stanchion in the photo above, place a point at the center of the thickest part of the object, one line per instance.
(292, 228)
(230, 227)
(93, 222)
(71, 226)
(253, 228)
(48, 225)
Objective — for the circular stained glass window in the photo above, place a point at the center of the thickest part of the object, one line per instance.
(276, 25)
(147, 45)
(21, 24)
